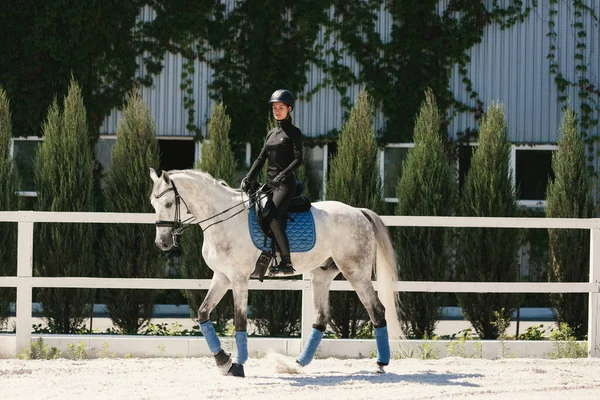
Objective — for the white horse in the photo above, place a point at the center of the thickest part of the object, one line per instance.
(355, 239)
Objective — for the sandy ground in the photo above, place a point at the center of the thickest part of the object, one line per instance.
(198, 378)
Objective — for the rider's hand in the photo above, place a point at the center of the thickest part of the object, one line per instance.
(246, 184)
(276, 182)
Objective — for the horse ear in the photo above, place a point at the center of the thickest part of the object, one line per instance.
(153, 175)
(165, 176)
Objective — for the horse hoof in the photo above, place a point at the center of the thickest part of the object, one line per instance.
(223, 360)
(236, 370)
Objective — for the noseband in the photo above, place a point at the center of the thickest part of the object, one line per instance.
(176, 225)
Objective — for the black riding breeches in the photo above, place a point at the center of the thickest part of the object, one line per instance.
(281, 200)
(282, 197)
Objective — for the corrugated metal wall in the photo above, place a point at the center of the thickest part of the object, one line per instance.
(508, 66)
(511, 67)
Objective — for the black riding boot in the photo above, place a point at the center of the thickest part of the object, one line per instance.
(285, 266)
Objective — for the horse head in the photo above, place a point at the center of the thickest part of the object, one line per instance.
(166, 202)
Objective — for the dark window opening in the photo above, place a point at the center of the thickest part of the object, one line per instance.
(176, 154)
(465, 154)
(533, 170)
(239, 154)
(25, 151)
(331, 153)
(393, 162)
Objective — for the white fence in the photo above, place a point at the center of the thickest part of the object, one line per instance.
(25, 282)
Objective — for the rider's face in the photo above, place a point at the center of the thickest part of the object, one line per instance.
(280, 110)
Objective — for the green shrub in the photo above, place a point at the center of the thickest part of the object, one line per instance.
(39, 351)
(569, 196)
(64, 181)
(77, 352)
(354, 180)
(9, 201)
(488, 254)
(533, 333)
(565, 345)
(128, 249)
(427, 187)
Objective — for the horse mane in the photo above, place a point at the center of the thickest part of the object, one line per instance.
(201, 174)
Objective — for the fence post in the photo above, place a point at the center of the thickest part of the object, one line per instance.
(307, 312)
(24, 290)
(594, 301)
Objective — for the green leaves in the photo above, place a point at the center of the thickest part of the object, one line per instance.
(9, 201)
(64, 182)
(427, 187)
(488, 254)
(354, 180)
(354, 172)
(126, 188)
(217, 156)
(569, 196)
(48, 44)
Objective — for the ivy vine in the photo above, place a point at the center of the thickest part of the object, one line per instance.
(423, 47)
(265, 44)
(587, 92)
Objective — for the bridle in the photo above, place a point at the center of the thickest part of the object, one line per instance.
(178, 226)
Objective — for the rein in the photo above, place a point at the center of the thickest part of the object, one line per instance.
(177, 225)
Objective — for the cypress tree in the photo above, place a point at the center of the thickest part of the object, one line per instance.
(354, 173)
(354, 179)
(218, 160)
(569, 196)
(489, 254)
(9, 201)
(128, 249)
(64, 182)
(427, 187)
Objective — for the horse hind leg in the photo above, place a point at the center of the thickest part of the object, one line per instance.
(218, 287)
(368, 297)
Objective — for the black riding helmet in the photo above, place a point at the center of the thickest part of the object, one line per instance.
(282, 96)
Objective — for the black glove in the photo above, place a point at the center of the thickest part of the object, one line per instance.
(276, 182)
(246, 184)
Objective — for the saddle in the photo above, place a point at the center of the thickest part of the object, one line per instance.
(300, 230)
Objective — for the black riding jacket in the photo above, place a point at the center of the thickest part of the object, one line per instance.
(283, 149)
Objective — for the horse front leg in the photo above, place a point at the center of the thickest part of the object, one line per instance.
(321, 282)
(240, 320)
(218, 287)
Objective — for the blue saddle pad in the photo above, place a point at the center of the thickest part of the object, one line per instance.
(300, 232)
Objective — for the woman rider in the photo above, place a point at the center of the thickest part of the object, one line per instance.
(283, 149)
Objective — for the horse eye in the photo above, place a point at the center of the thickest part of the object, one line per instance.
(168, 205)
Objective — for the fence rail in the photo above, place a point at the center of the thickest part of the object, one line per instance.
(25, 282)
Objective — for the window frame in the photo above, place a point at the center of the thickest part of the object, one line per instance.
(457, 161)
(24, 193)
(401, 145)
(197, 144)
(541, 203)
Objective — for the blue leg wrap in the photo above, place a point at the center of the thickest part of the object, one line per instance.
(241, 341)
(214, 344)
(310, 348)
(383, 346)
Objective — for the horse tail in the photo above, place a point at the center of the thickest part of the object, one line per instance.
(386, 273)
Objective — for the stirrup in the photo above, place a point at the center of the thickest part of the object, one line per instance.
(283, 268)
